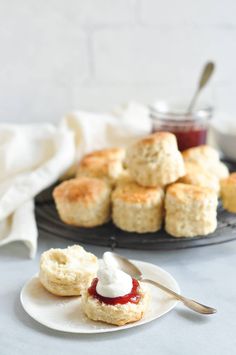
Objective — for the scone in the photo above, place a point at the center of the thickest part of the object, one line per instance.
(105, 164)
(195, 175)
(136, 208)
(115, 298)
(83, 202)
(124, 178)
(190, 210)
(228, 192)
(67, 272)
(207, 158)
(118, 314)
(155, 160)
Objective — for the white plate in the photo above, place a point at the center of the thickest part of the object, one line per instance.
(65, 313)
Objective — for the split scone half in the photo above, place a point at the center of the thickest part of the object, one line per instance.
(83, 202)
(190, 210)
(119, 314)
(228, 192)
(67, 272)
(137, 208)
(114, 297)
(155, 160)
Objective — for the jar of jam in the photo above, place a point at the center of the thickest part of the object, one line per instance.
(190, 129)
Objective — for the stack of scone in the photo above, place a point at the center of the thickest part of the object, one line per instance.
(148, 184)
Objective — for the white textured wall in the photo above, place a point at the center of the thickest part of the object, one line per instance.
(57, 55)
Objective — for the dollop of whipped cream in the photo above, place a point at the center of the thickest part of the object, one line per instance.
(112, 282)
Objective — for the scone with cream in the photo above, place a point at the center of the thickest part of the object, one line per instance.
(190, 210)
(228, 192)
(83, 202)
(106, 164)
(155, 160)
(207, 158)
(137, 208)
(114, 297)
(67, 272)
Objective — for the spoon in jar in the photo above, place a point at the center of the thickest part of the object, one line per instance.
(132, 270)
(204, 78)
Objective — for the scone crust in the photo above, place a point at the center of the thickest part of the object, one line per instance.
(228, 192)
(186, 193)
(207, 158)
(67, 272)
(202, 152)
(85, 190)
(164, 139)
(116, 153)
(119, 314)
(83, 202)
(106, 164)
(155, 160)
(190, 210)
(195, 175)
(136, 208)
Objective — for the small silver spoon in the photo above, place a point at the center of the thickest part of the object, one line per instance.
(204, 78)
(128, 267)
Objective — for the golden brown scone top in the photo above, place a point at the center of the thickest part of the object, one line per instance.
(97, 165)
(195, 173)
(183, 192)
(102, 163)
(230, 180)
(202, 152)
(193, 168)
(134, 193)
(158, 137)
(108, 153)
(82, 189)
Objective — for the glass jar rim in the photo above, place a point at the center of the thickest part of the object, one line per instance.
(163, 110)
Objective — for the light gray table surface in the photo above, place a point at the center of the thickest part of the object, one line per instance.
(206, 274)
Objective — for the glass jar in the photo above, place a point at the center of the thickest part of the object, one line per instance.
(190, 129)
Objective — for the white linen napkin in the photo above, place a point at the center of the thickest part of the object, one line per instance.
(34, 156)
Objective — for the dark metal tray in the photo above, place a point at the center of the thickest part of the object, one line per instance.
(108, 235)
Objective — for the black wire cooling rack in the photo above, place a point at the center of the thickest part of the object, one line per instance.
(110, 236)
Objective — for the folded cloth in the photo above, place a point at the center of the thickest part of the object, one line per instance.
(34, 156)
(94, 131)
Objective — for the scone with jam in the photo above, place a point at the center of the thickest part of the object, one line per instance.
(114, 297)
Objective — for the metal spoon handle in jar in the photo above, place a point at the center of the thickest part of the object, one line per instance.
(193, 305)
(204, 78)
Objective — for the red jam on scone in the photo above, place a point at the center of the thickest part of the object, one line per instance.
(134, 296)
(114, 297)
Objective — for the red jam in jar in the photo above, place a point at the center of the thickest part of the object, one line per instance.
(189, 129)
(133, 297)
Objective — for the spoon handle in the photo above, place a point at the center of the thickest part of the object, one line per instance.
(195, 306)
(204, 78)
